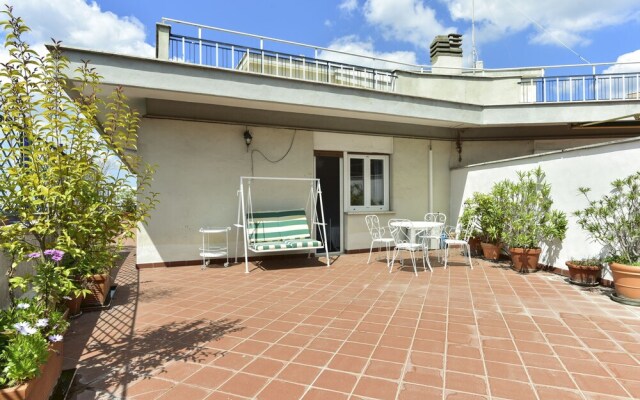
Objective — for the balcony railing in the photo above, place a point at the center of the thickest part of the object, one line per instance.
(223, 48)
(581, 88)
(243, 58)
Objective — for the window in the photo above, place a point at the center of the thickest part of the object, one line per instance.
(367, 183)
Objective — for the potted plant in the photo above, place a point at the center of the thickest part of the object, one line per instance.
(614, 222)
(491, 219)
(30, 350)
(585, 272)
(528, 217)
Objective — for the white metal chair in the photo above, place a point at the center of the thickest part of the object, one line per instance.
(435, 217)
(433, 234)
(377, 236)
(399, 229)
(461, 242)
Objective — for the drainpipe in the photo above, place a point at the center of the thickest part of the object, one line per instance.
(430, 177)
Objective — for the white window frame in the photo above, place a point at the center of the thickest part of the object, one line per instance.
(367, 182)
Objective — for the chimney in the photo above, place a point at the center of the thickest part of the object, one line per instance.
(446, 54)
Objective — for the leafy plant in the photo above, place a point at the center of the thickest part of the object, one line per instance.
(25, 334)
(526, 206)
(614, 220)
(586, 261)
(490, 214)
(65, 171)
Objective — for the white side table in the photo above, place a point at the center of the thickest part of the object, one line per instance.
(211, 249)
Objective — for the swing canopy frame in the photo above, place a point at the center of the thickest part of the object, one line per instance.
(281, 230)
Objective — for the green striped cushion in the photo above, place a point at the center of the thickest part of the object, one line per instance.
(269, 226)
(303, 243)
(270, 246)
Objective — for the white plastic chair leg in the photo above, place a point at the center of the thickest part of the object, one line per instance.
(469, 255)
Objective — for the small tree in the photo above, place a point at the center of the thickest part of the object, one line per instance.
(526, 204)
(614, 220)
(55, 190)
(490, 214)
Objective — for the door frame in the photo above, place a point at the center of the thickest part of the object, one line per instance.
(340, 156)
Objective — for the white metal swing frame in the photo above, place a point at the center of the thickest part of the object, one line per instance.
(245, 208)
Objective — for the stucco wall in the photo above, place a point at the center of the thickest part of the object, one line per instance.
(566, 171)
(409, 191)
(198, 166)
(478, 89)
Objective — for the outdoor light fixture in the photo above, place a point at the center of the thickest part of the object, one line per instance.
(247, 138)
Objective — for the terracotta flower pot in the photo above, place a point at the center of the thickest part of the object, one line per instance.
(99, 286)
(73, 305)
(626, 280)
(40, 387)
(524, 260)
(588, 275)
(490, 251)
(475, 246)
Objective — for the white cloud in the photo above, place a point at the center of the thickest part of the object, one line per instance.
(348, 6)
(551, 20)
(410, 21)
(354, 45)
(81, 24)
(632, 57)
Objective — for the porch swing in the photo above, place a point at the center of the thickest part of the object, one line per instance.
(281, 230)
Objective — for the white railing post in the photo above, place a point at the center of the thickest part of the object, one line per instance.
(315, 56)
(570, 89)
(624, 89)
(544, 90)
(584, 89)
(557, 89)
(290, 67)
(637, 86)
(183, 50)
(233, 57)
(217, 64)
(595, 88)
(610, 87)
(200, 45)
(277, 65)
(304, 69)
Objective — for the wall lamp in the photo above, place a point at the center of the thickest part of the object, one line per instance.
(247, 138)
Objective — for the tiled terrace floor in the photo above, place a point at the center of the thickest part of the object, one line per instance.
(354, 331)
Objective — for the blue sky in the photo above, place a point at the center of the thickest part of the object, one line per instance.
(509, 33)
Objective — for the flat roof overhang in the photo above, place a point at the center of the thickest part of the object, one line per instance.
(174, 90)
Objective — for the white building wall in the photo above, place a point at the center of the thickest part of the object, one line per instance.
(198, 166)
(409, 191)
(566, 171)
(198, 169)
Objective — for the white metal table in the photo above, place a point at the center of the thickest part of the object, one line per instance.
(210, 249)
(415, 227)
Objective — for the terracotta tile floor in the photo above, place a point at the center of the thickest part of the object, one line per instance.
(296, 330)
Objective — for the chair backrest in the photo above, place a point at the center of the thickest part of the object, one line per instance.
(473, 224)
(435, 232)
(373, 224)
(399, 229)
(435, 217)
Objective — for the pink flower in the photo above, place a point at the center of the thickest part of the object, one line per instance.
(34, 255)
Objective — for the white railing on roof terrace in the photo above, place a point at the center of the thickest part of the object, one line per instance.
(301, 61)
(581, 88)
(224, 48)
